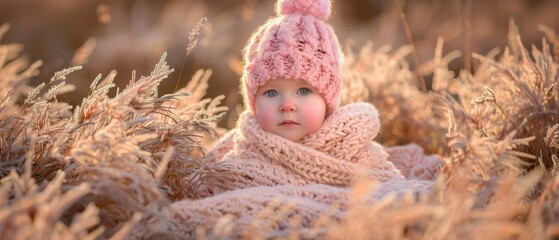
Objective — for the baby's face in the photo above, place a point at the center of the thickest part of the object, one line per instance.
(289, 108)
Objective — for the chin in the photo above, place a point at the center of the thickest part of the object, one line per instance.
(293, 139)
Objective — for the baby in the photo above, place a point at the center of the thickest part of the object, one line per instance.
(293, 131)
(293, 145)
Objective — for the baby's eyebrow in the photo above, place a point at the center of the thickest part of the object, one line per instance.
(264, 89)
(307, 85)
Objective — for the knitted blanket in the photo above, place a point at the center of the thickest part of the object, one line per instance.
(250, 168)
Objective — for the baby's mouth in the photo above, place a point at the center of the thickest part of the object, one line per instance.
(288, 123)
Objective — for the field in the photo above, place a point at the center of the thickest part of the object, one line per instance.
(94, 143)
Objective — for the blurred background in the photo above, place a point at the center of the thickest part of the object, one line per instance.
(132, 35)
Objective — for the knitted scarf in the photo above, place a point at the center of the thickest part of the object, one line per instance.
(340, 151)
(250, 170)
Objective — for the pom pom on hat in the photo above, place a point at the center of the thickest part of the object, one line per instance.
(318, 8)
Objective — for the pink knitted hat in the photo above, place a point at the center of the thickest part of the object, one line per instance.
(297, 44)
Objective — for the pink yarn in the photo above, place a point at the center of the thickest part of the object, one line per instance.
(297, 44)
(318, 8)
(413, 163)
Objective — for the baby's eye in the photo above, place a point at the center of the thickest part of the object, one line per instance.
(271, 93)
(304, 91)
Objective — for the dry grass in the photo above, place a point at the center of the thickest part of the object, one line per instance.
(114, 162)
(106, 158)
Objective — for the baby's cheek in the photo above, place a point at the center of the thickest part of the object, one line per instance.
(264, 119)
(314, 118)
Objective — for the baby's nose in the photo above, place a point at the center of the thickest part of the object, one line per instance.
(287, 106)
